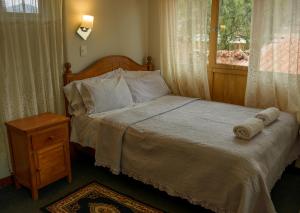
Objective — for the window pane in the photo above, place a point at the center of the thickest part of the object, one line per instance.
(234, 32)
(21, 6)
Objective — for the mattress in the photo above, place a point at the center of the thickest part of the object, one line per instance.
(186, 147)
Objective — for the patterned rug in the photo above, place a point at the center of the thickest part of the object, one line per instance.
(96, 198)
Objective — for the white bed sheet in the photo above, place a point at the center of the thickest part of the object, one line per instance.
(204, 163)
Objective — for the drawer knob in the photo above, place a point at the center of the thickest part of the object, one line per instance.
(51, 138)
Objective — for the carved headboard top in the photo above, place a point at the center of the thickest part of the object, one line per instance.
(104, 65)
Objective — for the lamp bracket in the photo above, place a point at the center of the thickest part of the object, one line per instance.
(84, 33)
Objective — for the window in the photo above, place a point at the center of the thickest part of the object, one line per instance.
(21, 6)
(233, 37)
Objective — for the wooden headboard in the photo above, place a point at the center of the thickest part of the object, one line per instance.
(105, 65)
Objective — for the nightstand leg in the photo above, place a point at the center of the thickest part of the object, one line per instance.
(17, 185)
(69, 178)
(35, 194)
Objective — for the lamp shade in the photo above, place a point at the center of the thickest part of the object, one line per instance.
(87, 21)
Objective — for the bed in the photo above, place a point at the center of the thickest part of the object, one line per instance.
(185, 146)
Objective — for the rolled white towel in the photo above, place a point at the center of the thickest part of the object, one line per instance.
(268, 115)
(249, 128)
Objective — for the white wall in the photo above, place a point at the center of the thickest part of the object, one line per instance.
(154, 32)
(120, 27)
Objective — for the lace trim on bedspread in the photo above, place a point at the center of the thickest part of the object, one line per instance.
(174, 193)
(168, 190)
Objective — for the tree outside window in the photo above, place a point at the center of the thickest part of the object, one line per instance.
(234, 32)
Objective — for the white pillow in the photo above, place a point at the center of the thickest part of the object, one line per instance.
(76, 106)
(147, 87)
(136, 74)
(72, 91)
(109, 94)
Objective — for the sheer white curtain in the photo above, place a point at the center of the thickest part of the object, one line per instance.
(31, 62)
(274, 70)
(184, 42)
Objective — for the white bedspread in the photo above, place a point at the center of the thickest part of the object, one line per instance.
(186, 147)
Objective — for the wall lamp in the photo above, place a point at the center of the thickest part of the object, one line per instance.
(86, 26)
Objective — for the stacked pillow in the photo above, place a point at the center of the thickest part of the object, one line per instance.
(146, 86)
(114, 90)
(109, 94)
(72, 92)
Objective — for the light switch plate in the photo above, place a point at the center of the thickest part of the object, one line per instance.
(83, 50)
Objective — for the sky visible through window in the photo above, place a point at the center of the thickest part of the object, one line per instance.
(21, 6)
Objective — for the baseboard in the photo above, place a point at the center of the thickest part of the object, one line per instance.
(6, 181)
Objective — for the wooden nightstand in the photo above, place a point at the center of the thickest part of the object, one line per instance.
(39, 148)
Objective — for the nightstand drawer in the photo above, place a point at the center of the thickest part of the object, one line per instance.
(49, 137)
(51, 164)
